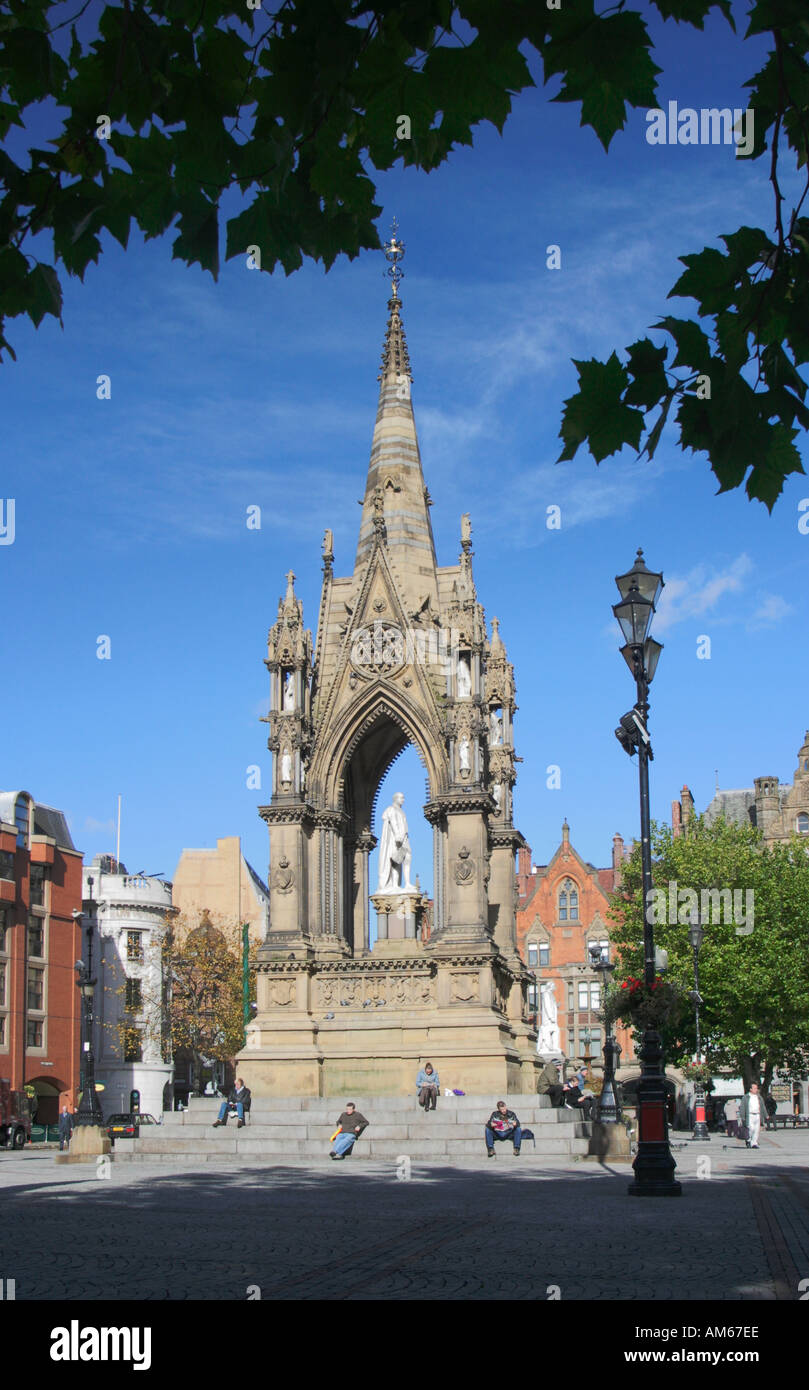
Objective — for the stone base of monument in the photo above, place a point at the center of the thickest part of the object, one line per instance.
(398, 915)
(87, 1143)
(609, 1141)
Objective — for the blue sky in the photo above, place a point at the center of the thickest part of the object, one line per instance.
(130, 513)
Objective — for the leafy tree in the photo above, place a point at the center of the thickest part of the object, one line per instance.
(192, 1003)
(171, 104)
(754, 984)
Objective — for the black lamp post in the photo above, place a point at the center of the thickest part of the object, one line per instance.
(696, 932)
(89, 1111)
(640, 589)
(609, 1109)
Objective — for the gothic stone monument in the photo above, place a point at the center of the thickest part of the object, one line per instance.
(402, 656)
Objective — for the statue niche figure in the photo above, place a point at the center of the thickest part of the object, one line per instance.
(548, 1037)
(289, 691)
(394, 851)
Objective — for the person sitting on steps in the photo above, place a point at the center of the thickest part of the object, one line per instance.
(238, 1101)
(502, 1124)
(349, 1128)
(427, 1085)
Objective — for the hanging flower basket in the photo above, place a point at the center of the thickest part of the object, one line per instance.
(643, 1006)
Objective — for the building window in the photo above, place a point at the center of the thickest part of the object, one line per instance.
(2, 983)
(544, 953)
(571, 1043)
(36, 988)
(36, 937)
(603, 947)
(574, 905)
(532, 999)
(583, 996)
(803, 823)
(532, 954)
(2, 1030)
(21, 821)
(570, 998)
(134, 945)
(133, 1045)
(3, 930)
(37, 882)
(35, 1032)
(563, 906)
(7, 864)
(595, 1042)
(595, 996)
(134, 996)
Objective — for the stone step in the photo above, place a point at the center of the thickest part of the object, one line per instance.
(385, 1166)
(210, 1104)
(420, 1129)
(245, 1150)
(299, 1125)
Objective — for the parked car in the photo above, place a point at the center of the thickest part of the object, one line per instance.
(127, 1126)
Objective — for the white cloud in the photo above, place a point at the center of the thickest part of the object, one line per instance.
(699, 592)
(771, 610)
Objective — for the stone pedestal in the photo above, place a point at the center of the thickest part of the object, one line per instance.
(398, 915)
(609, 1141)
(87, 1143)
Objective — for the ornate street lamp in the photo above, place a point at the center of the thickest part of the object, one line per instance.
(609, 1109)
(696, 933)
(640, 589)
(89, 1111)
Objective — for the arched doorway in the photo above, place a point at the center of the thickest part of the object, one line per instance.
(47, 1089)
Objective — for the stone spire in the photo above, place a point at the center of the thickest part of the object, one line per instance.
(395, 508)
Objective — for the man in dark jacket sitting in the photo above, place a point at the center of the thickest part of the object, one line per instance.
(238, 1101)
(503, 1124)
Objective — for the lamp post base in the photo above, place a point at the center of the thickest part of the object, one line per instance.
(700, 1126)
(654, 1163)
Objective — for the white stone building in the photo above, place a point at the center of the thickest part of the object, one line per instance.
(131, 915)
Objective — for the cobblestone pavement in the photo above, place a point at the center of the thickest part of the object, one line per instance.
(496, 1230)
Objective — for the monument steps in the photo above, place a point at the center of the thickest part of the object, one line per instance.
(300, 1130)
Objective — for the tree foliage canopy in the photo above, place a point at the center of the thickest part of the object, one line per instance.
(754, 984)
(296, 108)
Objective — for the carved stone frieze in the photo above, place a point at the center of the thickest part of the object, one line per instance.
(464, 986)
(283, 879)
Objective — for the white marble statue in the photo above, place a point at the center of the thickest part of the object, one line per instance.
(463, 755)
(498, 795)
(394, 850)
(497, 728)
(548, 1039)
(464, 679)
(289, 691)
(286, 768)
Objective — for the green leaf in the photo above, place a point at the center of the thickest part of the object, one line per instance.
(597, 413)
(197, 239)
(45, 293)
(645, 365)
(605, 64)
(693, 348)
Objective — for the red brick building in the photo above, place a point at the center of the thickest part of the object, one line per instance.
(562, 911)
(40, 941)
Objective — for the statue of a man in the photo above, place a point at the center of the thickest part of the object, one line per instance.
(548, 1039)
(394, 850)
(464, 679)
(463, 755)
(289, 691)
(286, 768)
(497, 727)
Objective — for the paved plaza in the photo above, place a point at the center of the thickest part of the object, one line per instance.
(488, 1229)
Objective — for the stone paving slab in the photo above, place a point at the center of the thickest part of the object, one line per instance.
(480, 1230)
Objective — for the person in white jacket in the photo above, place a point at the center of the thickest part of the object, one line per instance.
(751, 1113)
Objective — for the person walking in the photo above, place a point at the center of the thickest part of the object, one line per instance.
(349, 1128)
(428, 1085)
(751, 1113)
(732, 1118)
(65, 1128)
(771, 1106)
(502, 1124)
